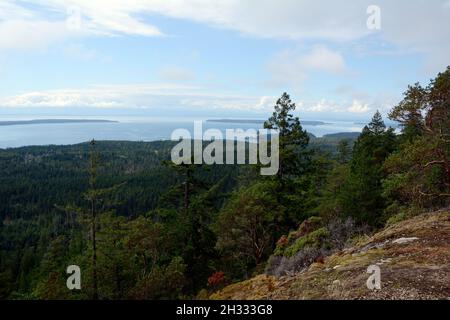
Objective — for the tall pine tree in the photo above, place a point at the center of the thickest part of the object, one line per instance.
(294, 162)
(361, 194)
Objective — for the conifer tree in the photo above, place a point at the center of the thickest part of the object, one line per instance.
(294, 163)
(361, 193)
(419, 172)
(409, 112)
(292, 138)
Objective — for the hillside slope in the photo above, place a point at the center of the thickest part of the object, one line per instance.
(413, 256)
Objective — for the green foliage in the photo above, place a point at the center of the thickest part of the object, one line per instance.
(161, 282)
(330, 201)
(246, 226)
(315, 239)
(409, 113)
(292, 138)
(309, 234)
(419, 172)
(360, 196)
(344, 151)
(34, 179)
(291, 183)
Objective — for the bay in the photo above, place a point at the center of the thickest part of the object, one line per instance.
(129, 129)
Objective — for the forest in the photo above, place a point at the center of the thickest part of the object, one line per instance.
(140, 227)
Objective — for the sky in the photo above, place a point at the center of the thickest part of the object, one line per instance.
(337, 59)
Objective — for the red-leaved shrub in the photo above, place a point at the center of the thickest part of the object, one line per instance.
(217, 279)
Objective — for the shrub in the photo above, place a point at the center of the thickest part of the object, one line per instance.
(216, 279)
(279, 266)
(341, 231)
(309, 225)
(315, 239)
(312, 247)
(282, 244)
(164, 282)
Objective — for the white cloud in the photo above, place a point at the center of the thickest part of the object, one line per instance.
(136, 96)
(266, 102)
(422, 26)
(419, 26)
(292, 67)
(406, 26)
(323, 59)
(324, 106)
(111, 17)
(358, 107)
(331, 106)
(363, 101)
(9, 9)
(262, 18)
(24, 35)
(25, 29)
(265, 18)
(168, 96)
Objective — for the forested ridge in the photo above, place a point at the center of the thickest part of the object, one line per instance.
(140, 227)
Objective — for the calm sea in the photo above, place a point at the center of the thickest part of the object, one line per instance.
(127, 128)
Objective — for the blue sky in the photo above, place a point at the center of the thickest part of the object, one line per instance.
(216, 58)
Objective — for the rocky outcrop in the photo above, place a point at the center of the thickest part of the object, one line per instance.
(413, 257)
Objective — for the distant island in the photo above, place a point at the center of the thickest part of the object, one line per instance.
(52, 121)
(387, 123)
(334, 136)
(343, 135)
(253, 121)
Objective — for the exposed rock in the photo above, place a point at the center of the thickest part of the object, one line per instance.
(410, 269)
(404, 240)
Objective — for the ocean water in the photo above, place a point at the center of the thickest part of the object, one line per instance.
(127, 128)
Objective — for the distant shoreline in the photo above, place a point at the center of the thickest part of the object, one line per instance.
(52, 121)
(254, 121)
(314, 140)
